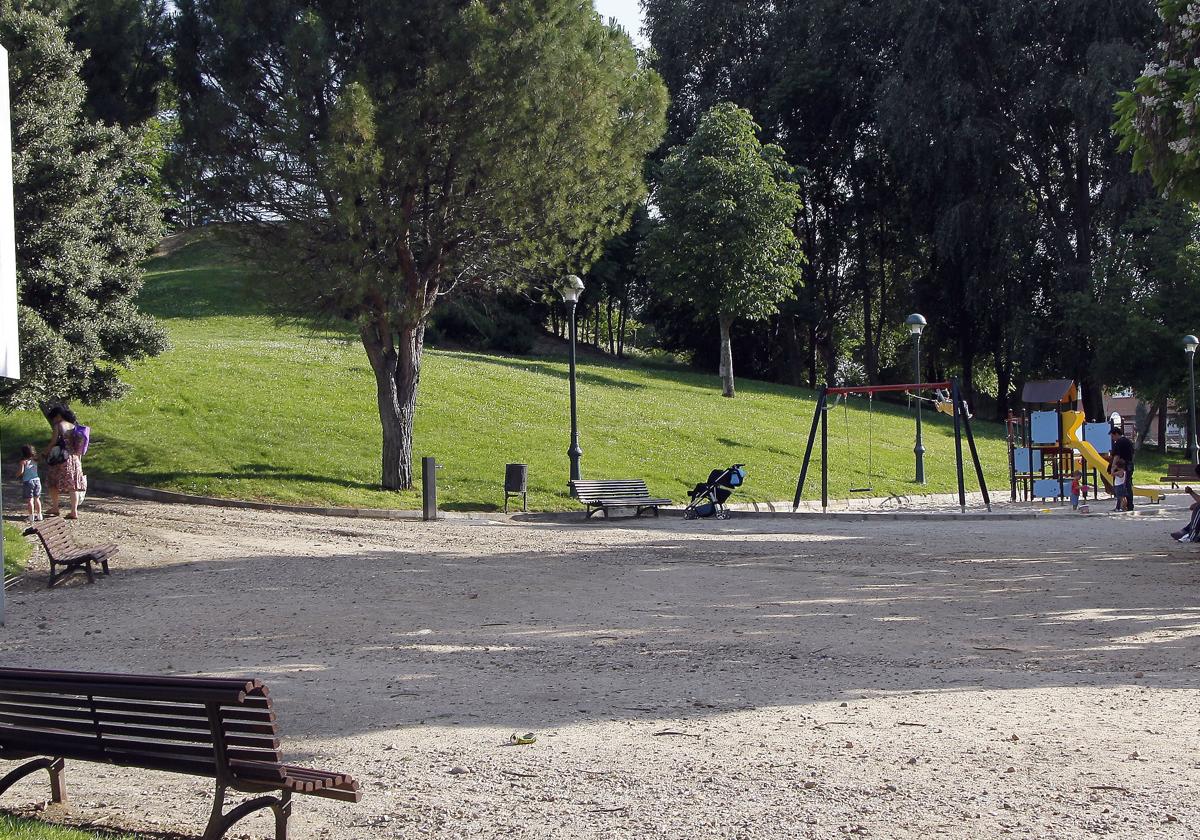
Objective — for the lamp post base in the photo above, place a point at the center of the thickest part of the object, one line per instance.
(575, 453)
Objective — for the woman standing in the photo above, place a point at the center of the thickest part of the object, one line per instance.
(64, 459)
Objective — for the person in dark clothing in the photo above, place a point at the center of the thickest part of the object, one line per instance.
(1191, 532)
(1122, 447)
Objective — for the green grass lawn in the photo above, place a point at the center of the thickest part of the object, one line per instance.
(16, 550)
(242, 407)
(16, 828)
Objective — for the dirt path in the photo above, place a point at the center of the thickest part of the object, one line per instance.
(901, 680)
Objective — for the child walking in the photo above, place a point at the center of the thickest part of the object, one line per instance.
(31, 482)
(1078, 488)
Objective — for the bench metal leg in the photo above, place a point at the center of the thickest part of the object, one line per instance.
(219, 822)
(67, 571)
(54, 766)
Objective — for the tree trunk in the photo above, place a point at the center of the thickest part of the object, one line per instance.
(397, 370)
(1143, 428)
(1093, 396)
(612, 338)
(726, 357)
(622, 321)
(1162, 404)
(812, 356)
(1003, 383)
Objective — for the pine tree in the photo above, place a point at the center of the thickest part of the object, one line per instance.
(378, 155)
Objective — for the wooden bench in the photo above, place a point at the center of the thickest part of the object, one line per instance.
(1178, 473)
(56, 537)
(616, 493)
(215, 728)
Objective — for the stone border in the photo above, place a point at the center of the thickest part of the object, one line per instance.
(753, 510)
(151, 494)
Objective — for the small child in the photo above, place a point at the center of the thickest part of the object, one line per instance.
(31, 482)
(1118, 474)
(1077, 488)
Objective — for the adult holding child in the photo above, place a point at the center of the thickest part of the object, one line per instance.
(64, 459)
(1122, 448)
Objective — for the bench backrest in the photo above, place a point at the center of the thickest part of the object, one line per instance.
(56, 537)
(1181, 470)
(204, 726)
(598, 491)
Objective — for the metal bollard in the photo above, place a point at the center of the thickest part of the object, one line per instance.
(429, 468)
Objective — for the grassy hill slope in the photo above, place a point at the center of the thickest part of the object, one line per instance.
(242, 407)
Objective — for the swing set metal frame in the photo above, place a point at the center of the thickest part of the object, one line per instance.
(962, 423)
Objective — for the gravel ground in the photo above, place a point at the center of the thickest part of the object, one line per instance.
(757, 678)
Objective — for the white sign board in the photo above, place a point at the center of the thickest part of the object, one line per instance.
(10, 346)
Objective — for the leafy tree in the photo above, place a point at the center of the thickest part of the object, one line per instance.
(379, 157)
(1160, 118)
(1149, 299)
(725, 242)
(85, 221)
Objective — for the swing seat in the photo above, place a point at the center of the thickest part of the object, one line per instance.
(862, 489)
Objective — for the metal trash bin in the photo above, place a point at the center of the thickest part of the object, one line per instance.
(516, 483)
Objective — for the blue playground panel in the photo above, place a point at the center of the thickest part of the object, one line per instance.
(1043, 427)
(1027, 460)
(1048, 488)
(1097, 435)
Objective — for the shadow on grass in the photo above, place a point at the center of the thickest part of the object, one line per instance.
(549, 368)
(265, 472)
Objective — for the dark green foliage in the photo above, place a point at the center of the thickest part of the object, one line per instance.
(127, 44)
(384, 157)
(954, 158)
(495, 320)
(85, 221)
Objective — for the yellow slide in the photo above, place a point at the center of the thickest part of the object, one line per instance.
(1072, 420)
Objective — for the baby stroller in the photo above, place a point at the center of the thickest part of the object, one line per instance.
(709, 499)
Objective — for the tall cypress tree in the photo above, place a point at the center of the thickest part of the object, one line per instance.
(85, 222)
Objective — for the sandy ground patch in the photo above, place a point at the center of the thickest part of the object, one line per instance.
(827, 679)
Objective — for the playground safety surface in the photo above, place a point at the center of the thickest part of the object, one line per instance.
(741, 679)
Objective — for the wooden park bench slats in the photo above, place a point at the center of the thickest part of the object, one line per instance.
(1177, 473)
(62, 550)
(218, 728)
(603, 495)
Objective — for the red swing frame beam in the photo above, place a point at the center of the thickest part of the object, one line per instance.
(877, 389)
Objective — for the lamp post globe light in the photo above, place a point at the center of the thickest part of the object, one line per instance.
(571, 289)
(916, 325)
(1190, 343)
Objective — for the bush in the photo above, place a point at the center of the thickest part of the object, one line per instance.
(497, 322)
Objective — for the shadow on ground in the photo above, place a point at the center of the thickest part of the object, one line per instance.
(672, 625)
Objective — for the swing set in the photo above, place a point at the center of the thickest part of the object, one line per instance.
(947, 399)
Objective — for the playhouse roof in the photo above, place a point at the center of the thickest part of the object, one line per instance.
(1049, 391)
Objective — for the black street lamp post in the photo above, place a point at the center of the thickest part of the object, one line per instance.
(916, 325)
(571, 290)
(1190, 343)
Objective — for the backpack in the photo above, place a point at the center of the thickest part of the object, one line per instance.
(83, 434)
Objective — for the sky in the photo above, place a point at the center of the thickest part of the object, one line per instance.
(627, 12)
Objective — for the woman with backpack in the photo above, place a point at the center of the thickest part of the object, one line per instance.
(64, 457)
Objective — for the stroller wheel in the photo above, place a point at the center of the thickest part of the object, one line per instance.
(689, 514)
(724, 514)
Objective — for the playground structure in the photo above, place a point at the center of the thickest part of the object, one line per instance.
(945, 392)
(1051, 439)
